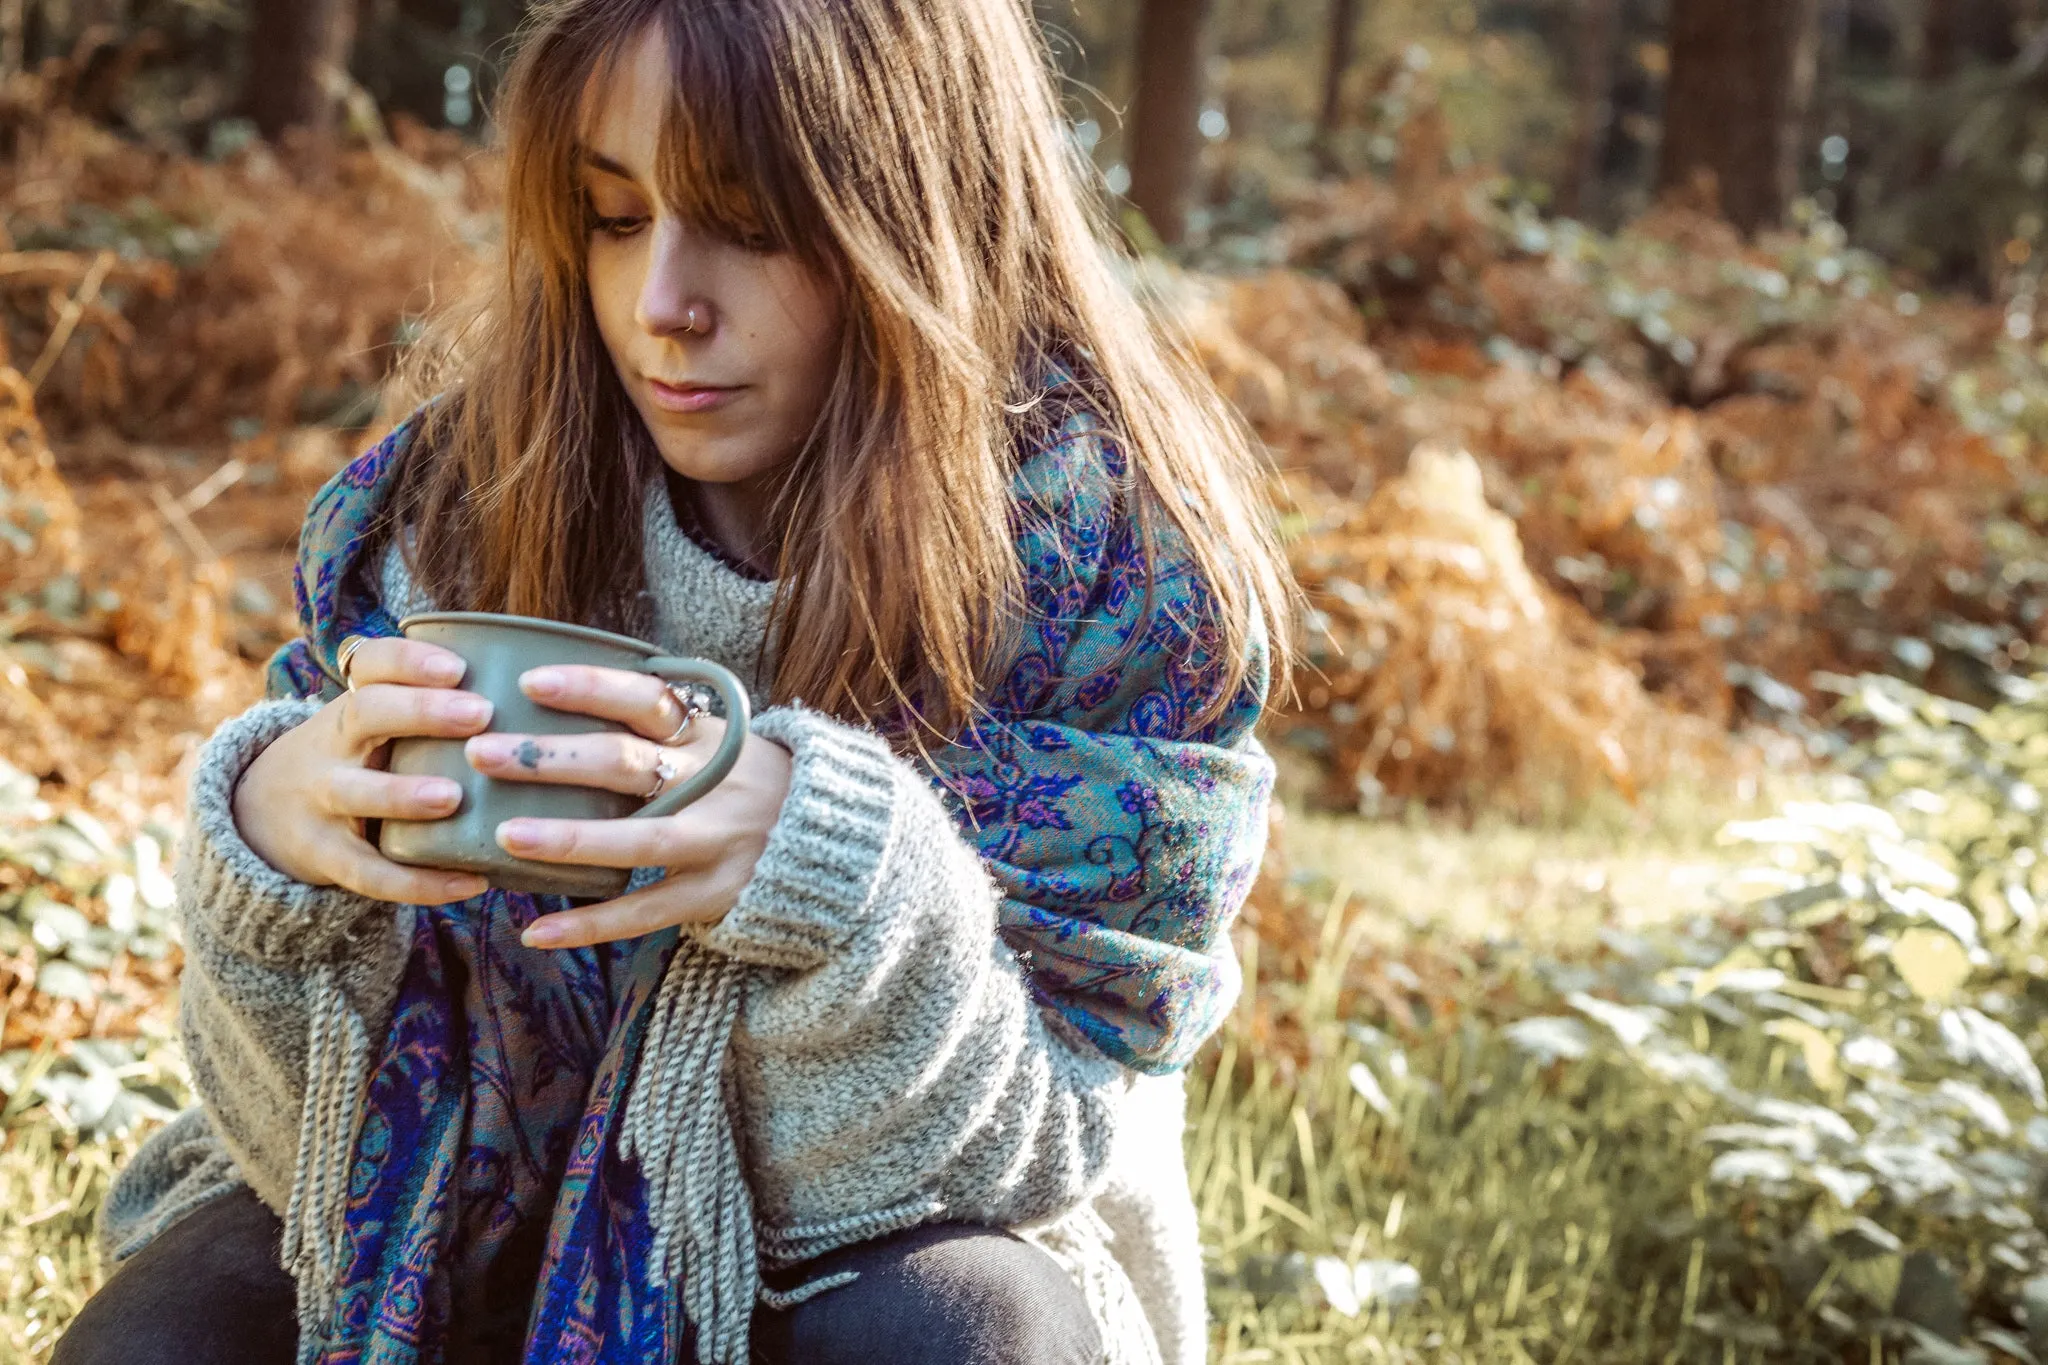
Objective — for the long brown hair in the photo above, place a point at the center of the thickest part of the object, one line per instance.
(914, 151)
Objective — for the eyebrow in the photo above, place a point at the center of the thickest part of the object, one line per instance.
(598, 161)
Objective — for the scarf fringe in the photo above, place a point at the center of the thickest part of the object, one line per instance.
(316, 1218)
(802, 1242)
(678, 1126)
(784, 1300)
(1079, 1241)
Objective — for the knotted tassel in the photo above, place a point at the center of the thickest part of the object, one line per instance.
(315, 1220)
(678, 1126)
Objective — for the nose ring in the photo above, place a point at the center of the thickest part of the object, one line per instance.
(690, 319)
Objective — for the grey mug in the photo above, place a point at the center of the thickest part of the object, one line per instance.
(498, 649)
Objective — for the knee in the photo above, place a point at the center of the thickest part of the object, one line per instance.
(961, 1296)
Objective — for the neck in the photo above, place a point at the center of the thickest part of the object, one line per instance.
(736, 516)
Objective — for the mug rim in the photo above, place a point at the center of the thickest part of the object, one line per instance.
(589, 634)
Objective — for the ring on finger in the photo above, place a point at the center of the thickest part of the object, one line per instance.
(687, 700)
(345, 657)
(664, 773)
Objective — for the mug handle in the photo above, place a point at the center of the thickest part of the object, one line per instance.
(737, 713)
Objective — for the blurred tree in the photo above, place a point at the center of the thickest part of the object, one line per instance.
(1742, 75)
(436, 60)
(1166, 135)
(294, 46)
(1599, 27)
(1940, 43)
(1336, 65)
(91, 13)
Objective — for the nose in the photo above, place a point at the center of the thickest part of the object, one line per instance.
(671, 303)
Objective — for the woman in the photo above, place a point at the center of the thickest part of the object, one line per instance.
(806, 359)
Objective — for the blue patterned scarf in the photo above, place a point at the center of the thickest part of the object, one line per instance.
(490, 1214)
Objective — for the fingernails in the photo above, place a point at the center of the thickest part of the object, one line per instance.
(543, 682)
(519, 836)
(492, 748)
(467, 710)
(540, 934)
(440, 792)
(444, 669)
(466, 888)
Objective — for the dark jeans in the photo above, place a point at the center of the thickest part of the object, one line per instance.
(210, 1291)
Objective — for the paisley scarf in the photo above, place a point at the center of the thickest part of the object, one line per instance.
(482, 1192)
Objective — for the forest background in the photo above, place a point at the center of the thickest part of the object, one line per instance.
(1648, 964)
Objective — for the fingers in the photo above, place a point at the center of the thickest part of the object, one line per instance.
(619, 843)
(678, 900)
(610, 762)
(352, 862)
(409, 663)
(632, 699)
(372, 714)
(368, 794)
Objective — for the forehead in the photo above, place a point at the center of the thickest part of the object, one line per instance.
(626, 102)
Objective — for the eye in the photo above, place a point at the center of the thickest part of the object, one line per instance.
(616, 227)
(610, 224)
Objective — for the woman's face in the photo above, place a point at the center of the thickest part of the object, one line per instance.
(732, 398)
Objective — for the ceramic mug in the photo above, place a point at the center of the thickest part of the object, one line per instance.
(498, 649)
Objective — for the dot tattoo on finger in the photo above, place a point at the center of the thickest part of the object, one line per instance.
(530, 755)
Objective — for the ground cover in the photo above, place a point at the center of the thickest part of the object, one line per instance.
(1806, 1124)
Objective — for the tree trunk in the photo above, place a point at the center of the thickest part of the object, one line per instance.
(1599, 27)
(86, 14)
(1337, 65)
(1742, 76)
(294, 46)
(1935, 64)
(1166, 136)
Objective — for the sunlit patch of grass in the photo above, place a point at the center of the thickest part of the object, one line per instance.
(1548, 1210)
(1612, 865)
(51, 1188)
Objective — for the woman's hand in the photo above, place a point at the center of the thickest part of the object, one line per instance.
(709, 847)
(300, 806)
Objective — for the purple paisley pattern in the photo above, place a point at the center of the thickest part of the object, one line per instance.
(488, 1213)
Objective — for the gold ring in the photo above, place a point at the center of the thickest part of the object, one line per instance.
(346, 656)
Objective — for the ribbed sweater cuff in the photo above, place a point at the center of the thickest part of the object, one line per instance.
(817, 877)
(249, 905)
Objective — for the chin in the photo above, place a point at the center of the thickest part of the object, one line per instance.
(716, 466)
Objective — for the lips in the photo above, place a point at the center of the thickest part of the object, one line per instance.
(692, 397)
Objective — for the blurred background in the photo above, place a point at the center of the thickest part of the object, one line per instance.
(1912, 122)
(1649, 960)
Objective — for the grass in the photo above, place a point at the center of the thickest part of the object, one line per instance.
(51, 1186)
(1543, 1208)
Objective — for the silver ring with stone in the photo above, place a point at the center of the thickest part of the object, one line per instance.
(345, 657)
(664, 773)
(691, 707)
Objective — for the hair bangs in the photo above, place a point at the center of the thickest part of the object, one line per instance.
(723, 162)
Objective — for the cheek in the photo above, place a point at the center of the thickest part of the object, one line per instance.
(814, 321)
(614, 293)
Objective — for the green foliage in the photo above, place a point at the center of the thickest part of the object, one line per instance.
(1810, 1127)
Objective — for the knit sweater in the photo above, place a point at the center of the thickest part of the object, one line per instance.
(891, 1062)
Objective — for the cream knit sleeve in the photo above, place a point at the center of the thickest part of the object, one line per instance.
(254, 941)
(895, 1069)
